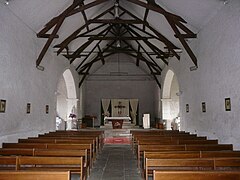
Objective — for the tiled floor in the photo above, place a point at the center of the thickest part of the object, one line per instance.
(116, 162)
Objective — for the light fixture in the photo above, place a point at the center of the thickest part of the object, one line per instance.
(225, 2)
(41, 68)
(179, 93)
(116, 10)
(193, 68)
(118, 44)
(6, 2)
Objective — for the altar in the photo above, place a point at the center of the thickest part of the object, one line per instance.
(117, 122)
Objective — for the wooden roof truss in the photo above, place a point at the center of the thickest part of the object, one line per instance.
(103, 34)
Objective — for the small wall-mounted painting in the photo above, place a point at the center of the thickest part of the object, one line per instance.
(204, 107)
(187, 108)
(47, 109)
(28, 108)
(2, 106)
(227, 104)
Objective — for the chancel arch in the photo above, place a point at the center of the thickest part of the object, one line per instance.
(170, 100)
(66, 100)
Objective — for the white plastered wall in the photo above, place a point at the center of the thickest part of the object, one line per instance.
(218, 51)
(22, 83)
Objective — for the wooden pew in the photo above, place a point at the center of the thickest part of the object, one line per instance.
(8, 163)
(52, 146)
(72, 164)
(62, 141)
(97, 146)
(188, 154)
(35, 175)
(49, 153)
(99, 135)
(193, 175)
(174, 139)
(192, 164)
(186, 147)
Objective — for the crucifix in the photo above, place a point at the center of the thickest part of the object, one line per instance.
(120, 107)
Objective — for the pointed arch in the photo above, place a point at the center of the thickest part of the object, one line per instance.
(170, 98)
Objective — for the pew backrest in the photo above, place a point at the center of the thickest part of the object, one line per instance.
(193, 175)
(35, 175)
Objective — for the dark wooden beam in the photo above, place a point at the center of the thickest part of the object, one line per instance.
(116, 21)
(86, 44)
(85, 34)
(58, 21)
(49, 42)
(101, 55)
(46, 36)
(145, 17)
(161, 38)
(150, 45)
(186, 36)
(84, 76)
(75, 33)
(155, 77)
(80, 65)
(119, 38)
(84, 16)
(184, 43)
(141, 57)
(158, 9)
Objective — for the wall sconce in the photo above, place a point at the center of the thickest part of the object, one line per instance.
(41, 68)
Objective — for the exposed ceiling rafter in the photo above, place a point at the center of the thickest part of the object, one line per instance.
(117, 35)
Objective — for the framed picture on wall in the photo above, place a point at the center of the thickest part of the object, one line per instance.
(47, 109)
(28, 108)
(187, 108)
(227, 104)
(204, 107)
(2, 106)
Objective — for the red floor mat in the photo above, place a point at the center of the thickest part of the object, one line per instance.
(117, 140)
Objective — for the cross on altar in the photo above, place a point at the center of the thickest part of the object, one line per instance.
(120, 107)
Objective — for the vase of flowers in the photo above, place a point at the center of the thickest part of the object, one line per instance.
(72, 115)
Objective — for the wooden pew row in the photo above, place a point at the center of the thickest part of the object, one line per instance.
(165, 138)
(63, 141)
(49, 153)
(29, 163)
(157, 131)
(186, 147)
(35, 175)
(52, 146)
(176, 141)
(188, 154)
(98, 133)
(229, 164)
(98, 146)
(193, 175)
(135, 133)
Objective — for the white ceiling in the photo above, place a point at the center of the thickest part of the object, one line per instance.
(36, 13)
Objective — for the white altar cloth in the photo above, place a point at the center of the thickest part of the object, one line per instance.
(106, 119)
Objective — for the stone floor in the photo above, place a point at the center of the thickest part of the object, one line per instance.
(116, 162)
